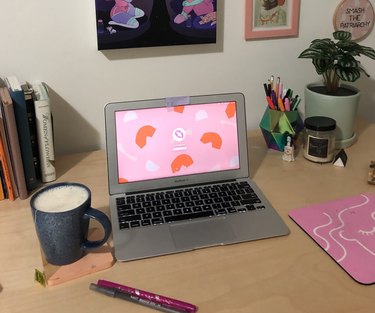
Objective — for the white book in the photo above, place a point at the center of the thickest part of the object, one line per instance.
(44, 129)
(13, 83)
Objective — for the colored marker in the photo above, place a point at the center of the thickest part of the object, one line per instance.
(115, 293)
(296, 104)
(271, 81)
(280, 95)
(287, 104)
(178, 305)
(286, 94)
(281, 104)
(277, 86)
(270, 103)
(266, 89)
(274, 100)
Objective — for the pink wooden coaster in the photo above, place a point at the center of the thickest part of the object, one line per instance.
(90, 263)
(94, 261)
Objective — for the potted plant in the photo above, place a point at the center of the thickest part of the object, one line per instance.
(336, 61)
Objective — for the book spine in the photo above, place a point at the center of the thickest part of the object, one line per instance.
(31, 119)
(8, 160)
(44, 130)
(7, 182)
(11, 135)
(3, 191)
(13, 142)
(22, 121)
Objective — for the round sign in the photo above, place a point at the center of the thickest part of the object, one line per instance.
(354, 16)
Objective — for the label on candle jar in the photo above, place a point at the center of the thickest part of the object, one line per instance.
(318, 147)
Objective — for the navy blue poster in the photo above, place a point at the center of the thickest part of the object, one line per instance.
(148, 23)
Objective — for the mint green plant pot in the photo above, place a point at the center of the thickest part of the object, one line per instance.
(342, 108)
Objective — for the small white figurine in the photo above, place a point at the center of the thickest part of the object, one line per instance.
(288, 150)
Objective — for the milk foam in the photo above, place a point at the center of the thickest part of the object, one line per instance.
(61, 199)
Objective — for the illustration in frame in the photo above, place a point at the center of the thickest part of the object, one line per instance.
(148, 23)
(271, 18)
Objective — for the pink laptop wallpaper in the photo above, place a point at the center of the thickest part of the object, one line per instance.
(174, 141)
(345, 229)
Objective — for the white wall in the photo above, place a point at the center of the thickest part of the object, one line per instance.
(55, 41)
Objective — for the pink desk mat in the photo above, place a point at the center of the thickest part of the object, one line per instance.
(345, 229)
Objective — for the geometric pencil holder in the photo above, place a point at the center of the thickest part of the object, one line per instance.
(277, 125)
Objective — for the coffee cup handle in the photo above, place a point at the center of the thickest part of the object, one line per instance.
(106, 224)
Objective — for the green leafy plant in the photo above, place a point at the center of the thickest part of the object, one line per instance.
(336, 60)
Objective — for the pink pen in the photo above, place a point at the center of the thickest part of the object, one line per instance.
(172, 303)
(287, 104)
(280, 95)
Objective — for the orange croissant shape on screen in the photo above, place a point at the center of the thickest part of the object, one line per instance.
(213, 138)
(231, 109)
(179, 108)
(122, 180)
(180, 161)
(143, 133)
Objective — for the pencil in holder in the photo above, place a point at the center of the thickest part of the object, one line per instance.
(277, 125)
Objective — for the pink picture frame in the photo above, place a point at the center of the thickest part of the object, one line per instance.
(271, 18)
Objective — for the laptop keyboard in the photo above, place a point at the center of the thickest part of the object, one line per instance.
(169, 206)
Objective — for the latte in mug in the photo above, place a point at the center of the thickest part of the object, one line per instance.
(61, 199)
(62, 213)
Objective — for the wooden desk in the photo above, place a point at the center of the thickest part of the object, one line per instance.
(286, 274)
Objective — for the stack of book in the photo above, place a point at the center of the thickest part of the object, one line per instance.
(26, 138)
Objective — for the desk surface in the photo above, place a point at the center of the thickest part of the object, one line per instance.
(285, 274)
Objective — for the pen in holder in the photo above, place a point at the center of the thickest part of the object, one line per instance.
(277, 125)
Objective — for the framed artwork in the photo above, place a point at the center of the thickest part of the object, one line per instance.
(148, 23)
(271, 18)
(354, 16)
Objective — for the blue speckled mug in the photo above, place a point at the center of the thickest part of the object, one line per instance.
(61, 213)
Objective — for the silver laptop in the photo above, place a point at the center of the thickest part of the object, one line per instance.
(178, 176)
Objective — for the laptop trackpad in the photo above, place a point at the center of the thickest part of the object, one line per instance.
(199, 234)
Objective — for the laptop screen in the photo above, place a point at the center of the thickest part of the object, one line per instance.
(168, 142)
(164, 142)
